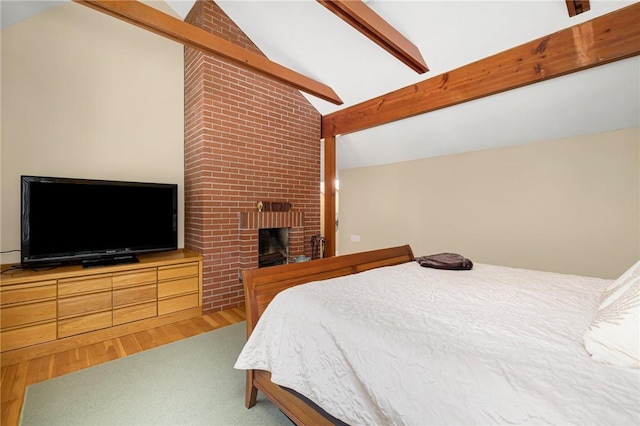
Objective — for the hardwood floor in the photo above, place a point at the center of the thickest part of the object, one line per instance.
(16, 377)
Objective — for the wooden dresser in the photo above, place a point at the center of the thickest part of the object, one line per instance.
(48, 311)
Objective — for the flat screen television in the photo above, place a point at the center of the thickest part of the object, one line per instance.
(94, 222)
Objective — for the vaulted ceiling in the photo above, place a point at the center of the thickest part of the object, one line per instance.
(307, 37)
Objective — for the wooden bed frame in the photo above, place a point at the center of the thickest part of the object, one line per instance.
(260, 287)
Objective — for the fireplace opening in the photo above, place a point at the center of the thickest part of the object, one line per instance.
(273, 246)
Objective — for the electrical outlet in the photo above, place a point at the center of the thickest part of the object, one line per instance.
(355, 238)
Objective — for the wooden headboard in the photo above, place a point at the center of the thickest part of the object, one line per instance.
(261, 285)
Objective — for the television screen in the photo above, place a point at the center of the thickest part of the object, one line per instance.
(71, 220)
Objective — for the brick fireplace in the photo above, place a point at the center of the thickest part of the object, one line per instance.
(247, 139)
(252, 222)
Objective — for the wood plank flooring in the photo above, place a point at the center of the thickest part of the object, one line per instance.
(16, 377)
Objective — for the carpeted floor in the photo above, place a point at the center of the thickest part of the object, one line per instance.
(189, 382)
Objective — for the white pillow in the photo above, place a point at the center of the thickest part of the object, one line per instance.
(614, 334)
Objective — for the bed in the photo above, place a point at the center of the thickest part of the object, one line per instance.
(374, 338)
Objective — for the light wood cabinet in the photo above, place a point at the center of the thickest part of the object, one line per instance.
(178, 288)
(138, 312)
(27, 314)
(84, 304)
(135, 295)
(45, 312)
(28, 335)
(84, 323)
(38, 290)
(17, 315)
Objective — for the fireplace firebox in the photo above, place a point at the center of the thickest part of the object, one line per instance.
(273, 246)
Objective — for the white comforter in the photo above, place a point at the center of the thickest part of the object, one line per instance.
(411, 345)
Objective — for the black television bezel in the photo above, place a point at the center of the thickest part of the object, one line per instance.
(94, 257)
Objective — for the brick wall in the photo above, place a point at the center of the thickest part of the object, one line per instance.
(247, 138)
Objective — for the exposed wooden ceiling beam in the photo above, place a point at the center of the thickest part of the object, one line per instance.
(153, 20)
(364, 19)
(602, 40)
(576, 7)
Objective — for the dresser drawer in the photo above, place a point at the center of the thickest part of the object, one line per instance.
(15, 315)
(67, 307)
(179, 303)
(72, 286)
(27, 336)
(175, 287)
(135, 312)
(83, 324)
(177, 271)
(78, 305)
(128, 279)
(28, 292)
(131, 295)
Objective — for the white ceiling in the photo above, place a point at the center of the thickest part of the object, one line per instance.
(306, 37)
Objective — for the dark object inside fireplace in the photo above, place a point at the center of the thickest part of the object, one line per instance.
(273, 246)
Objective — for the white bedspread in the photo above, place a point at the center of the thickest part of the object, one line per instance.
(411, 345)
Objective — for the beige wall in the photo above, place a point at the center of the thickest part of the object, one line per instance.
(569, 206)
(87, 95)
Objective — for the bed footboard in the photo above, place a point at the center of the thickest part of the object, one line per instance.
(261, 286)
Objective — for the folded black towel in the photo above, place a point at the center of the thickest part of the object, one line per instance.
(445, 261)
